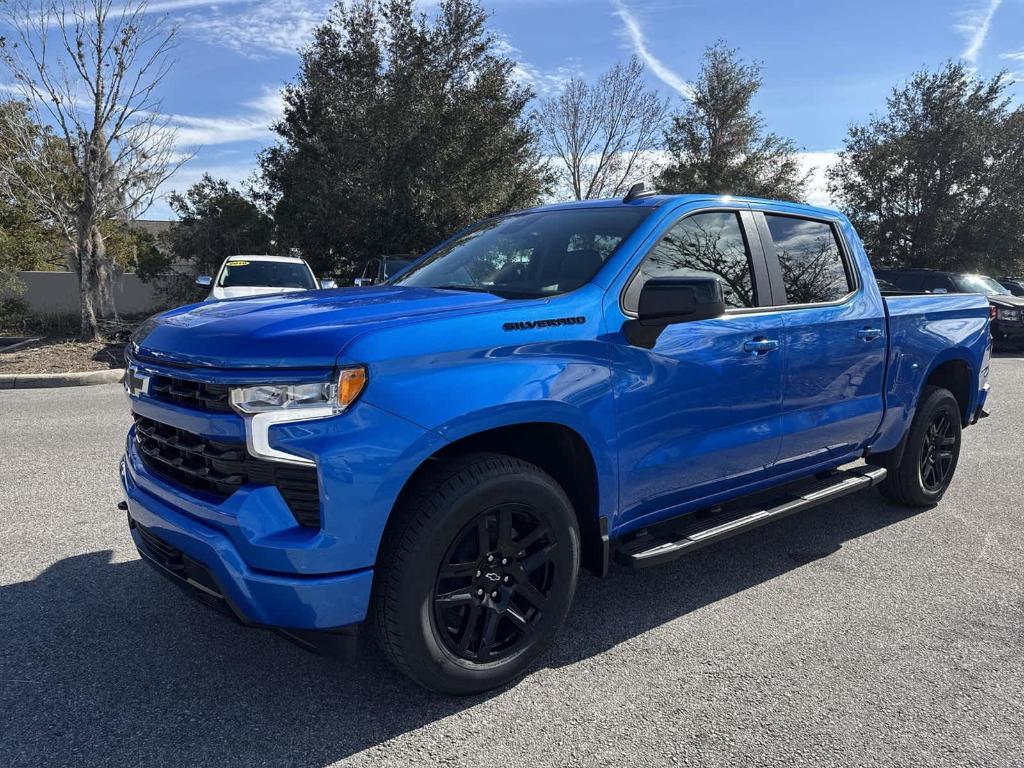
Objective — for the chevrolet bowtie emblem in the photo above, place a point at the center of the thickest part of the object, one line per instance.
(135, 383)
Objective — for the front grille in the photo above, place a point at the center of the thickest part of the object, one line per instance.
(169, 557)
(220, 469)
(190, 394)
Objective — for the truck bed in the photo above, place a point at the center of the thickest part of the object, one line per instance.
(925, 331)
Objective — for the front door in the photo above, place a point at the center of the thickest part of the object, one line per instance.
(699, 411)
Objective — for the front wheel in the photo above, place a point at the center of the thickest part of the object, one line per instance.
(931, 452)
(476, 574)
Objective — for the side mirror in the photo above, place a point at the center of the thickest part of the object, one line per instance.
(204, 281)
(668, 300)
(328, 284)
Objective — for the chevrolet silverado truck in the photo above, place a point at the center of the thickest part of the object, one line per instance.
(570, 386)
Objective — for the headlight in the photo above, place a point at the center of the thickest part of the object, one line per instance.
(336, 395)
(1008, 314)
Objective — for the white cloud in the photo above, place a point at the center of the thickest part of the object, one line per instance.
(975, 28)
(169, 6)
(258, 28)
(817, 185)
(253, 125)
(1013, 55)
(639, 43)
(543, 82)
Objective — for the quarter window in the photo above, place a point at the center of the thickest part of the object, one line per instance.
(813, 270)
(705, 244)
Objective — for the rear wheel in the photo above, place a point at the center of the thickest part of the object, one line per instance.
(931, 452)
(477, 573)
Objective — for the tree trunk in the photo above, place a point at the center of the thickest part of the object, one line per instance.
(103, 277)
(89, 328)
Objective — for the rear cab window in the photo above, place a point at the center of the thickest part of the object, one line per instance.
(814, 270)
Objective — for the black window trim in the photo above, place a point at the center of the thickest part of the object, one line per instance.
(758, 260)
(778, 286)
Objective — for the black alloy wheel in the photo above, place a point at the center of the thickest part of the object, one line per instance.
(937, 455)
(491, 591)
(919, 473)
(476, 572)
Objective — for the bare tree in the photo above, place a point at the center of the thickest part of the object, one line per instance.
(89, 71)
(604, 135)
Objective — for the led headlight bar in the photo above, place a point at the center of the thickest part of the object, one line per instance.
(263, 405)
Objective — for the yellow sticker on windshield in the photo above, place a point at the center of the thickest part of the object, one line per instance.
(237, 263)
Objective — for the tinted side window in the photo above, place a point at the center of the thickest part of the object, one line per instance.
(937, 282)
(703, 244)
(812, 264)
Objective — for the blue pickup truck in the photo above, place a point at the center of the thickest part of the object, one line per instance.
(579, 384)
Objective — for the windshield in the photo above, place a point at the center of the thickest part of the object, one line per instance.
(239, 273)
(528, 255)
(979, 284)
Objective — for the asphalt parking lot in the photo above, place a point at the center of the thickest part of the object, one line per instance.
(857, 634)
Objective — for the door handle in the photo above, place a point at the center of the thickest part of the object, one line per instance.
(760, 346)
(869, 334)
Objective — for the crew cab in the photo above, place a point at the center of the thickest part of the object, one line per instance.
(577, 385)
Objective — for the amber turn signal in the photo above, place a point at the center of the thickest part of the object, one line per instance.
(351, 382)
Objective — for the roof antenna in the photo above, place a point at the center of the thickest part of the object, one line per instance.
(637, 191)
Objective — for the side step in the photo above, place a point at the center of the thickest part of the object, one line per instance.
(673, 538)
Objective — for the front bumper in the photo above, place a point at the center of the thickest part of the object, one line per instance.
(1006, 332)
(204, 559)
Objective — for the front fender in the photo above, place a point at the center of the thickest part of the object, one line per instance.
(456, 396)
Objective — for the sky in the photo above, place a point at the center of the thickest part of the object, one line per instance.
(825, 64)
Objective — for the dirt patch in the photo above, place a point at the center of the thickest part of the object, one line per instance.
(63, 356)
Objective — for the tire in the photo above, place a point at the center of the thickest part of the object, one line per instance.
(931, 452)
(445, 615)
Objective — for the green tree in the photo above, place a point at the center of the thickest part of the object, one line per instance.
(399, 130)
(215, 220)
(938, 179)
(718, 144)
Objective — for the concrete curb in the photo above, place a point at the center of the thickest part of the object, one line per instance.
(36, 380)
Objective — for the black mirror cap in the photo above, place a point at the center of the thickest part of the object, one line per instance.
(669, 300)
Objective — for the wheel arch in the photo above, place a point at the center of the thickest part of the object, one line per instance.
(951, 370)
(560, 450)
(956, 374)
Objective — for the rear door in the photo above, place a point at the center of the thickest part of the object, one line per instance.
(834, 338)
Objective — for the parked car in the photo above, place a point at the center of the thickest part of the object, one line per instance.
(1015, 285)
(620, 380)
(382, 268)
(257, 275)
(1007, 309)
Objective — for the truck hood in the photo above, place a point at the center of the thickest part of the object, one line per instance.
(307, 329)
(1007, 302)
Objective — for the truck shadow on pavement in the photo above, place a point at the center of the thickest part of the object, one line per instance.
(106, 663)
